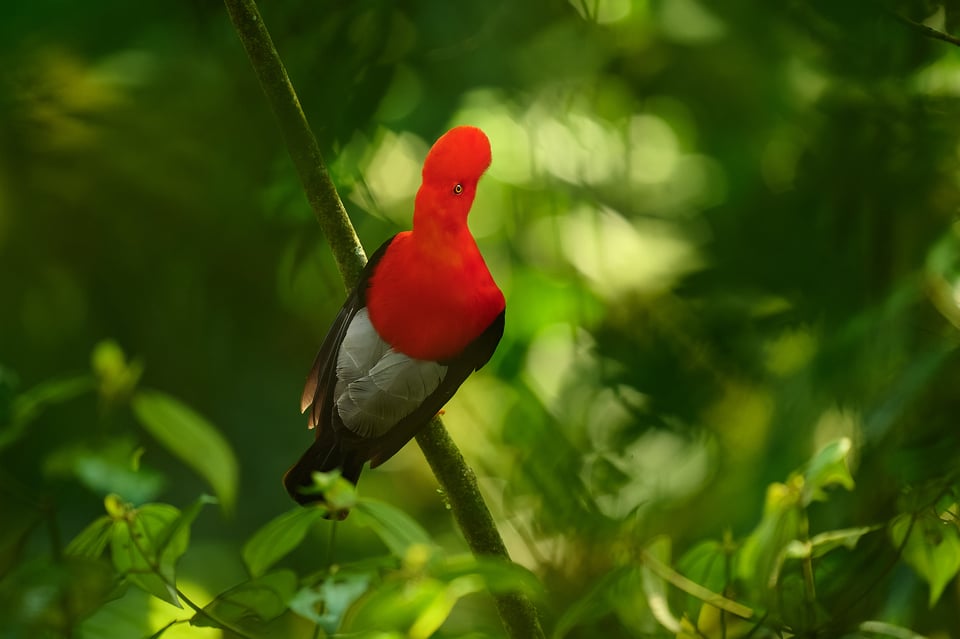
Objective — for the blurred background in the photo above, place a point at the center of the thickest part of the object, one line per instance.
(727, 235)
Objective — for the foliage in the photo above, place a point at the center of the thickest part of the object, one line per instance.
(724, 402)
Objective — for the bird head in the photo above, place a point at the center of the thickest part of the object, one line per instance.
(451, 171)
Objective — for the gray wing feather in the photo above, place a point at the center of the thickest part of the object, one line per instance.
(377, 386)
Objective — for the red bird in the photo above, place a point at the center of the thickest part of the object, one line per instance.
(425, 314)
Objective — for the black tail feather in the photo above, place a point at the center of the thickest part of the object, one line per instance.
(325, 454)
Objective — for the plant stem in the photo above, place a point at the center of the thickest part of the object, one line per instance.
(456, 478)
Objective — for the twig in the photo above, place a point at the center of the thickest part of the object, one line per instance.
(456, 478)
(925, 30)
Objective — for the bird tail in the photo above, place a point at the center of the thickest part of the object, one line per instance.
(325, 454)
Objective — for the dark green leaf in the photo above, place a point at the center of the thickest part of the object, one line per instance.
(192, 439)
(92, 540)
(27, 406)
(620, 584)
(278, 537)
(43, 598)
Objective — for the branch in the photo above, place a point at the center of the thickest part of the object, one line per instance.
(925, 30)
(459, 484)
(455, 477)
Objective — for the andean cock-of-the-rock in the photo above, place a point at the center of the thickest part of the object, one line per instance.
(425, 314)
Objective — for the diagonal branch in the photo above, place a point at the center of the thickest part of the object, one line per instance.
(925, 30)
(456, 478)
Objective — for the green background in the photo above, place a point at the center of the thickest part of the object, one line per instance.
(726, 232)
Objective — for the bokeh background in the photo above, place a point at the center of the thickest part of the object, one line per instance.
(727, 234)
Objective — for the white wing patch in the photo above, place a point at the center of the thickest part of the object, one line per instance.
(376, 385)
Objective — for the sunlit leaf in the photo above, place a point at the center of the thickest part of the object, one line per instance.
(397, 529)
(264, 598)
(396, 603)
(433, 615)
(192, 439)
(931, 547)
(278, 537)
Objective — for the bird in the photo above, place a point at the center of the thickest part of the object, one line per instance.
(424, 315)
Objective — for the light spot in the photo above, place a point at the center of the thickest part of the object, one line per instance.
(617, 256)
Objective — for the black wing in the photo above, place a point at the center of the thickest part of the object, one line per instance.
(328, 451)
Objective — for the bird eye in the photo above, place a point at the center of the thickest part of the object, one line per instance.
(458, 189)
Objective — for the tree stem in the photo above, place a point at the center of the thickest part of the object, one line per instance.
(456, 478)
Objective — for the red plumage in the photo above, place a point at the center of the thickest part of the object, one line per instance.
(425, 314)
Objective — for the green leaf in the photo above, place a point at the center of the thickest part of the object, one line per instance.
(622, 584)
(339, 495)
(176, 538)
(931, 547)
(92, 540)
(828, 468)
(337, 593)
(264, 598)
(192, 439)
(146, 545)
(278, 537)
(396, 528)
